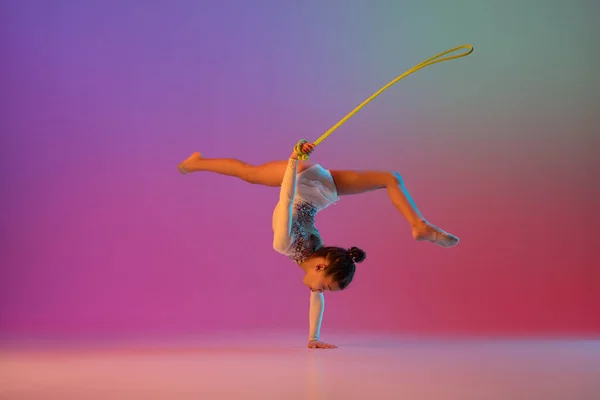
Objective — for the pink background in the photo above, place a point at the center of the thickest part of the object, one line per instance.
(102, 99)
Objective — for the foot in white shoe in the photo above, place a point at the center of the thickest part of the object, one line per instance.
(187, 165)
(431, 233)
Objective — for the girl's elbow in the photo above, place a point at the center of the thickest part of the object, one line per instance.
(280, 245)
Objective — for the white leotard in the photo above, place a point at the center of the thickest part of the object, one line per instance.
(301, 197)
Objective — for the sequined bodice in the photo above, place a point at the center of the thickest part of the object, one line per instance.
(303, 226)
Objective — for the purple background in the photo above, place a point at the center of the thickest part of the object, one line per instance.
(102, 99)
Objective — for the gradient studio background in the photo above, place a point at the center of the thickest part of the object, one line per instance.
(102, 99)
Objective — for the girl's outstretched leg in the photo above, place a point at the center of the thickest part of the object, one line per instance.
(355, 182)
(269, 174)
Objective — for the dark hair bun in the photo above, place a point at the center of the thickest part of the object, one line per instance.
(357, 254)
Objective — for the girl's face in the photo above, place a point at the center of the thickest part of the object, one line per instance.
(316, 280)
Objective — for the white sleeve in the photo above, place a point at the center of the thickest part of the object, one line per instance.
(282, 218)
(317, 306)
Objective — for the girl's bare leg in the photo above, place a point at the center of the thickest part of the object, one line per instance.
(356, 182)
(269, 174)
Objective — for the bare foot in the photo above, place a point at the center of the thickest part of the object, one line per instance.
(187, 165)
(431, 233)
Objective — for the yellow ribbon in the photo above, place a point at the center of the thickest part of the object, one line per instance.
(426, 63)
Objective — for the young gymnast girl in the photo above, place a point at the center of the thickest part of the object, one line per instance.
(305, 190)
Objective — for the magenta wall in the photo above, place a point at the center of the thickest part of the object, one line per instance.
(102, 99)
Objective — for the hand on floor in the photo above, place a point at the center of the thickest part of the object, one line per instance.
(317, 344)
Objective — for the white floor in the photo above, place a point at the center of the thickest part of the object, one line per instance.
(280, 367)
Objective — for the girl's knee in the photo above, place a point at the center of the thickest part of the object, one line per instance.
(395, 178)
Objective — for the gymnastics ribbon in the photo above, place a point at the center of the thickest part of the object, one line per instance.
(433, 60)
